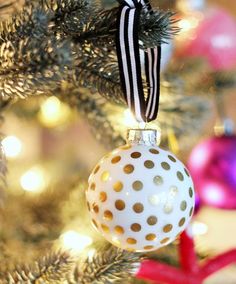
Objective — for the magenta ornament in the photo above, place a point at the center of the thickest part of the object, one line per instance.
(212, 165)
(215, 39)
(197, 204)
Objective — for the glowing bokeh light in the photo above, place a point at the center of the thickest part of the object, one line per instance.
(53, 112)
(12, 146)
(72, 240)
(34, 180)
(214, 193)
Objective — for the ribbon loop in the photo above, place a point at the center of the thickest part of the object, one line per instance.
(128, 54)
(131, 3)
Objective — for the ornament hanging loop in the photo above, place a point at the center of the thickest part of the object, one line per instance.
(127, 46)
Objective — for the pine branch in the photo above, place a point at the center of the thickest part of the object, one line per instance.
(110, 266)
(51, 269)
(91, 109)
(157, 28)
(8, 7)
(34, 67)
(99, 71)
(32, 22)
(3, 171)
(86, 22)
(69, 16)
(55, 40)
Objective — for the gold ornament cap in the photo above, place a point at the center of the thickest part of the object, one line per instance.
(149, 137)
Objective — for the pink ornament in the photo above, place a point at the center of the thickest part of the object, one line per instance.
(212, 165)
(214, 39)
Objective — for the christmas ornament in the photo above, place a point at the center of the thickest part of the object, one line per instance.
(140, 196)
(190, 270)
(212, 164)
(197, 206)
(215, 40)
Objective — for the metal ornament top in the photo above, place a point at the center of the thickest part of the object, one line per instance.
(143, 136)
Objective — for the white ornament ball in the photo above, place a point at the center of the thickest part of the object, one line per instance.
(140, 197)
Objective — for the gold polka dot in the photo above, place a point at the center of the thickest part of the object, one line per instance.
(183, 205)
(164, 241)
(168, 208)
(148, 247)
(93, 186)
(152, 220)
(119, 230)
(128, 169)
(154, 151)
(125, 147)
(173, 190)
(102, 196)
(105, 176)
(118, 186)
(120, 205)
(158, 180)
(94, 223)
(135, 155)
(154, 199)
(105, 228)
(181, 222)
(172, 158)
(180, 176)
(137, 185)
(116, 159)
(135, 227)
(190, 192)
(95, 208)
(150, 237)
(108, 215)
(138, 207)
(131, 241)
(191, 212)
(165, 166)
(149, 164)
(96, 169)
(187, 173)
(167, 228)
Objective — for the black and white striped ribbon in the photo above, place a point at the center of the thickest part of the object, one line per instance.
(129, 62)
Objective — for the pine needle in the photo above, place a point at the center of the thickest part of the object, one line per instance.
(51, 269)
(109, 266)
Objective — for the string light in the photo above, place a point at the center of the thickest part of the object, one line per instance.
(34, 180)
(75, 241)
(187, 24)
(53, 112)
(12, 146)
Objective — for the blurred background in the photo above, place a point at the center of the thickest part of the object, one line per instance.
(51, 146)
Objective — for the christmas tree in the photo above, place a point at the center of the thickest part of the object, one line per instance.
(63, 107)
